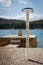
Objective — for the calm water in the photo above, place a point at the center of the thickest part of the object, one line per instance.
(37, 32)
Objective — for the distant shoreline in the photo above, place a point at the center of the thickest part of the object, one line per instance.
(20, 24)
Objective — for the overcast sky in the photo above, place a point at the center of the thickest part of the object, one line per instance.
(12, 9)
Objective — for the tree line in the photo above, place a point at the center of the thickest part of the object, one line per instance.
(20, 24)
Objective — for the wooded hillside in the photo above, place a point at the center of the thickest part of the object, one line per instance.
(20, 24)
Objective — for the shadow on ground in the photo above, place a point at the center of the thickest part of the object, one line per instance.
(35, 61)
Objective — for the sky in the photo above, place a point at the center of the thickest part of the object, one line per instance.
(12, 9)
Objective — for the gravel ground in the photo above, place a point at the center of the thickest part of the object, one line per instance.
(10, 55)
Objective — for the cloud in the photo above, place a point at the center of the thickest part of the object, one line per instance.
(36, 17)
(25, 2)
(7, 17)
(6, 3)
(18, 17)
(32, 17)
(21, 16)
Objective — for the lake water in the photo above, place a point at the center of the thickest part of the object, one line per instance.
(37, 32)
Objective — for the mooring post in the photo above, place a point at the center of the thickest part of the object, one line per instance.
(19, 32)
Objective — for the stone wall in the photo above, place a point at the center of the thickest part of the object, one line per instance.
(22, 43)
(32, 43)
(4, 41)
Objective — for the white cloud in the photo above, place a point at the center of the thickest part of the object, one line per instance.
(36, 17)
(7, 17)
(21, 16)
(6, 3)
(25, 2)
(0, 0)
(32, 17)
(18, 17)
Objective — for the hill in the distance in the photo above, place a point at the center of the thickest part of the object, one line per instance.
(19, 24)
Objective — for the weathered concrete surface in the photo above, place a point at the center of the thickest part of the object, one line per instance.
(9, 55)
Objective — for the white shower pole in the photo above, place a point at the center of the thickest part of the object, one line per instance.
(27, 10)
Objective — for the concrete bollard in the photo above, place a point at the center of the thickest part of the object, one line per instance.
(19, 32)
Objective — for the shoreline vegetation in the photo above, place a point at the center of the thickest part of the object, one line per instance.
(19, 24)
